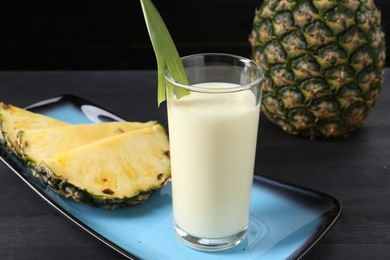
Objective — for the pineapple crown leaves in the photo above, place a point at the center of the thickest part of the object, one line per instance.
(165, 50)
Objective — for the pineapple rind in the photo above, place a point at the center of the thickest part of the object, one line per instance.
(63, 186)
(337, 43)
(68, 190)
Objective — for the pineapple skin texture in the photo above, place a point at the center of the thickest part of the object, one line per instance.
(145, 147)
(324, 63)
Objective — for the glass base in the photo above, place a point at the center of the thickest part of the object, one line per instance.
(210, 244)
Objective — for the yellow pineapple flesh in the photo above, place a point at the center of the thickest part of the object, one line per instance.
(122, 169)
(13, 119)
(38, 144)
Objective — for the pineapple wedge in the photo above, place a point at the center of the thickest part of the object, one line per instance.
(106, 164)
(13, 119)
(36, 145)
(116, 171)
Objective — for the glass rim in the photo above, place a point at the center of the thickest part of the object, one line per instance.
(246, 61)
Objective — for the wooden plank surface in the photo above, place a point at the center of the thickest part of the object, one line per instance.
(356, 170)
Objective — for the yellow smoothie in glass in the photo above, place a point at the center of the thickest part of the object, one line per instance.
(211, 182)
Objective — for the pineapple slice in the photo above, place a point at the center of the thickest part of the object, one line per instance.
(38, 144)
(116, 171)
(13, 119)
(106, 164)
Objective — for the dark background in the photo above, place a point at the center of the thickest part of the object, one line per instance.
(111, 34)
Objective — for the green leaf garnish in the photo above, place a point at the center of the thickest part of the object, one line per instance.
(164, 49)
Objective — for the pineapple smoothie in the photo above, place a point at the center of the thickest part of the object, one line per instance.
(211, 182)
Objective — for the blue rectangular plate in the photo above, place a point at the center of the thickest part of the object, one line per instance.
(286, 220)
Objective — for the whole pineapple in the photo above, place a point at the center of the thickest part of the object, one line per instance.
(323, 61)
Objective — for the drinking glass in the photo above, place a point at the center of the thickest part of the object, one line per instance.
(213, 124)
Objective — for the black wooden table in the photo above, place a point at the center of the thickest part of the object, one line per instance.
(355, 170)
